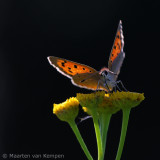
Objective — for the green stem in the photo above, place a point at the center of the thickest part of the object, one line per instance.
(80, 139)
(98, 137)
(126, 113)
(104, 123)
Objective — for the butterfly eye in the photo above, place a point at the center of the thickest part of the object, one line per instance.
(104, 74)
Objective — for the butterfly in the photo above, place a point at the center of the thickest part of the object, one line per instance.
(87, 77)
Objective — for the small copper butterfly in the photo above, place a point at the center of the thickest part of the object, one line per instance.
(86, 77)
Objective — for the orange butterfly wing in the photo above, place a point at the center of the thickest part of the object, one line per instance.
(69, 68)
(89, 81)
(117, 45)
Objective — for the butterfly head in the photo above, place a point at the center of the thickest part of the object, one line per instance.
(109, 79)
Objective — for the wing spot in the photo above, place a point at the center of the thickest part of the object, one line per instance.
(83, 80)
(90, 71)
(83, 68)
(63, 64)
(118, 36)
(69, 68)
(114, 47)
(70, 71)
(75, 66)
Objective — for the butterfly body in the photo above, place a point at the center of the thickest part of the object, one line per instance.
(110, 80)
(87, 77)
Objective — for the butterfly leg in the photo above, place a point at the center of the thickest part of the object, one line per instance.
(104, 84)
(118, 87)
(98, 85)
(121, 85)
(114, 88)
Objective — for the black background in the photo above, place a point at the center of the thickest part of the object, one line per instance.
(81, 31)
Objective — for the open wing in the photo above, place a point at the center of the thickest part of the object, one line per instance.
(69, 68)
(117, 55)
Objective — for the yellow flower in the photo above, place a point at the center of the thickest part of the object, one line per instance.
(90, 101)
(68, 110)
(107, 105)
(125, 100)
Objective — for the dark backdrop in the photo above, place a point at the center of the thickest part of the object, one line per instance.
(81, 31)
